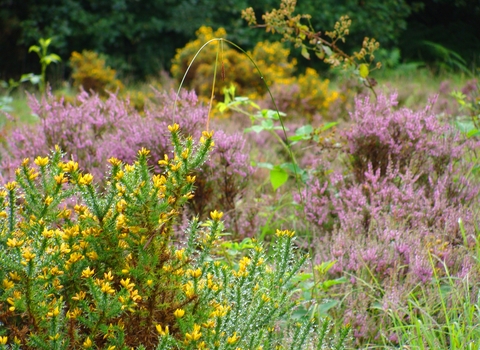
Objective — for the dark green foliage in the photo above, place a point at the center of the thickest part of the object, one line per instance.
(140, 37)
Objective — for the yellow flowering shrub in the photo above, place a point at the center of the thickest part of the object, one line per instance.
(90, 268)
(89, 71)
(233, 66)
(305, 94)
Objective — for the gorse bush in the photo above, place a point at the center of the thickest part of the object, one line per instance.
(65, 232)
(90, 72)
(307, 90)
(305, 95)
(233, 67)
(83, 268)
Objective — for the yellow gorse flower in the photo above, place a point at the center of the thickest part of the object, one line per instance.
(163, 161)
(79, 296)
(55, 312)
(13, 242)
(87, 344)
(3, 340)
(216, 215)
(70, 167)
(85, 179)
(173, 128)
(195, 273)
(208, 134)
(60, 179)
(179, 313)
(162, 332)
(11, 185)
(106, 288)
(287, 233)
(27, 254)
(143, 152)
(126, 283)
(233, 339)
(115, 162)
(86, 273)
(7, 284)
(73, 314)
(48, 200)
(194, 335)
(41, 162)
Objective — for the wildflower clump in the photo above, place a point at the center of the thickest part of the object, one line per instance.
(249, 304)
(304, 94)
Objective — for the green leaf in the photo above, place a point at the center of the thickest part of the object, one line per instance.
(473, 133)
(327, 284)
(293, 168)
(363, 70)
(328, 126)
(269, 114)
(320, 55)
(256, 128)
(297, 138)
(222, 107)
(34, 48)
(267, 124)
(304, 130)
(325, 266)
(50, 58)
(324, 307)
(265, 165)
(303, 277)
(278, 177)
(328, 50)
(305, 52)
(45, 42)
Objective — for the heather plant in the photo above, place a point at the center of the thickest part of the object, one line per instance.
(89, 268)
(398, 203)
(90, 73)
